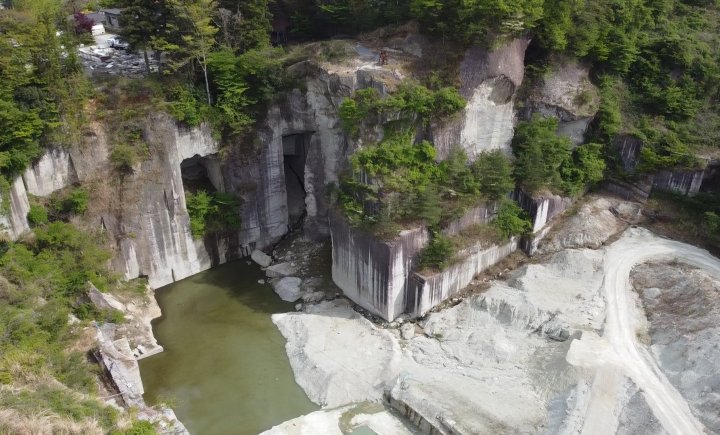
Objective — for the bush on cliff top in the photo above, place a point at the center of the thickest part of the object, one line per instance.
(410, 103)
(399, 181)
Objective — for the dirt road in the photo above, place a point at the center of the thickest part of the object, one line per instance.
(619, 347)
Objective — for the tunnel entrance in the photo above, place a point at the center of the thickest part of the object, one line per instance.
(294, 155)
(201, 173)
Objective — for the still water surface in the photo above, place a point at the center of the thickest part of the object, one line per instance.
(224, 368)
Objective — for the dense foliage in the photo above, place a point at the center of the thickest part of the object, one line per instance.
(212, 213)
(512, 220)
(410, 103)
(398, 180)
(546, 160)
(42, 282)
(42, 89)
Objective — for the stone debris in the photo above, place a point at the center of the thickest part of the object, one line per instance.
(491, 354)
(288, 288)
(109, 61)
(280, 270)
(372, 417)
(261, 258)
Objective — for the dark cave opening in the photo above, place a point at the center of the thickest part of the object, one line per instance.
(294, 157)
(195, 175)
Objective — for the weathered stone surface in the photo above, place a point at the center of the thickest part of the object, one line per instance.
(280, 270)
(594, 223)
(104, 301)
(14, 223)
(566, 93)
(261, 258)
(489, 80)
(425, 292)
(341, 376)
(407, 331)
(686, 182)
(373, 273)
(288, 288)
(683, 308)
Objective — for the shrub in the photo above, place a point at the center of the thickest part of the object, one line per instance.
(410, 102)
(438, 254)
(37, 215)
(493, 171)
(123, 157)
(139, 427)
(212, 213)
(77, 201)
(512, 220)
(185, 105)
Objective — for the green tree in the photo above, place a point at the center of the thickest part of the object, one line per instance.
(149, 25)
(439, 253)
(198, 34)
(37, 215)
(244, 25)
(494, 172)
(511, 220)
(540, 154)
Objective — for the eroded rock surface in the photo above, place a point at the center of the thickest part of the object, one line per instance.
(683, 308)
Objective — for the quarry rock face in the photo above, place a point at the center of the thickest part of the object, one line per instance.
(489, 81)
(374, 273)
(566, 93)
(280, 179)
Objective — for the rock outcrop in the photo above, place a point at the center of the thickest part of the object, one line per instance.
(372, 272)
(566, 93)
(489, 80)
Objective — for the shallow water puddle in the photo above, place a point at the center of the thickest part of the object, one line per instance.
(224, 368)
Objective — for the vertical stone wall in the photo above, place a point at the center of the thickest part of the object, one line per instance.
(683, 182)
(374, 273)
(427, 291)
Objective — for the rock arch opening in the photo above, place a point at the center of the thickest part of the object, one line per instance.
(294, 158)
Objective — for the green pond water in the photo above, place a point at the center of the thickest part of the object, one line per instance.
(224, 369)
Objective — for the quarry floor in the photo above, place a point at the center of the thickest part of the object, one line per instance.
(600, 333)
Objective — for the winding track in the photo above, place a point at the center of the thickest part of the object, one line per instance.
(634, 247)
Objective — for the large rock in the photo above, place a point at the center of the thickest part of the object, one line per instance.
(594, 223)
(104, 301)
(566, 93)
(261, 258)
(489, 80)
(288, 288)
(374, 273)
(280, 270)
(338, 356)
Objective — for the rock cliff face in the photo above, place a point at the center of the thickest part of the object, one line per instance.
(371, 272)
(143, 212)
(566, 93)
(489, 82)
(425, 292)
(299, 148)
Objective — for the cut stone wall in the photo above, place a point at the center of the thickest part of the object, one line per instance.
(374, 273)
(427, 291)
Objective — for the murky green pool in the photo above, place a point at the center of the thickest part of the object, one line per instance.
(224, 369)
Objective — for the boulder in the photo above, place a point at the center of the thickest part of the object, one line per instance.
(280, 270)
(261, 258)
(104, 301)
(288, 288)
